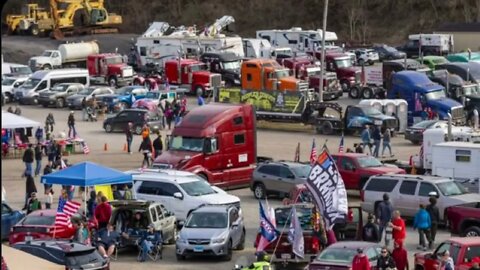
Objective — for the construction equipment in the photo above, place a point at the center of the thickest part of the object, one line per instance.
(33, 20)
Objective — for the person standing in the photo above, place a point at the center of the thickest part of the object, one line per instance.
(72, 133)
(91, 204)
(49, 199)
(33, 204)
(399, 232)
(360, 261)
(400, 256)
(146, 148)
(39, 134)
(103, 212)
(129, 135)
(384, 216)
(386, 142)
(447, 261)
(30, 188)
(157, 145)
(434, 213)
(169, 115)
(422, 223)
(370, 231)
(385, 261)
(366, 140)
(49, 123)
(28, 157)
(84, 109)
(377, 138)
(38, 158)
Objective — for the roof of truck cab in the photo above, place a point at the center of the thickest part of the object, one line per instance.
(467, 241)
(208, 115)
(468, 145)
(414, 77)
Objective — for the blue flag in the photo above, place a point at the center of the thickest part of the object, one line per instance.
(295, 235)
(267, 229)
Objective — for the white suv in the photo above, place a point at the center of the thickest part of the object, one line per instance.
(180, 192)
(366, 56)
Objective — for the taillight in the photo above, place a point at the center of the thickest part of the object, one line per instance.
(362, 195)
(315, 245)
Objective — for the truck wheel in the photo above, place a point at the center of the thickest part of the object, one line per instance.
(367, 93)
(228, 256)
(354, 92)
(344, 85)
(46, 67)
(259, 191)
(108, 128)
(35, 101)
(199, 91)
(112, 81)
(33, 30)
(472, 231)
(327, 128)
(138, 130)
(60, 103)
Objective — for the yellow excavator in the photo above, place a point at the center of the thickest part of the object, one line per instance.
(66, 17)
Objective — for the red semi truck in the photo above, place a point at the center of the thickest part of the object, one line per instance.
(216, 142)
(109, 68)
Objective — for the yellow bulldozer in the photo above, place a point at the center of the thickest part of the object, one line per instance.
(65, 17)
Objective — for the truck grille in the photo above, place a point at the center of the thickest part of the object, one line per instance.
(457, 113)
(215, 80)
(199, 241)
(303, 86)
(127, 72)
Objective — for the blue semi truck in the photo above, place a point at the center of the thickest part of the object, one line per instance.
(421, 93)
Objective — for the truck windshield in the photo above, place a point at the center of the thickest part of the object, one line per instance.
(197, 188)
(114, 60)
(8, 81)
(234, 65)
(186, 144)
(451, 188)
(31, 83)
(471, 90)
(368, 162)
(195, 68)
(207, 220)
(282, 73)
(59, 88)
(282, 217)
(47, 53)
(21, 70)
(435, 95)
(343, 62)
(370, 111)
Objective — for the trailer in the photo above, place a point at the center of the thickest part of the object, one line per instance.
(297, 38)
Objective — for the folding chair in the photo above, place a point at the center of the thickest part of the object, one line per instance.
(155, 254)
(19, 145)
(94, 241)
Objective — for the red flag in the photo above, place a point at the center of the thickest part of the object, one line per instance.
(313, 153)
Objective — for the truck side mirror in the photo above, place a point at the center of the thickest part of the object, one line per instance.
(178, 195)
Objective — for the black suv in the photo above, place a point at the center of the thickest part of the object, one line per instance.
(120, 121)
(64, 252)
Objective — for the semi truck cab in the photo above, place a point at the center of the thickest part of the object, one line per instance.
(109, 68)
(341, 64)
(226, 64)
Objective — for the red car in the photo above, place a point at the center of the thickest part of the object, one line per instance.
(355, 169)
(463, 250)
(40, 225)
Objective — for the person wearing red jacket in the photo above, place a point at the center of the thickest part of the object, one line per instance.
(398, 227)
(103, 212)
(400, 256)
(360, 261)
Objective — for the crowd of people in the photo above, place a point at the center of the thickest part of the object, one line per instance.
(379, 136)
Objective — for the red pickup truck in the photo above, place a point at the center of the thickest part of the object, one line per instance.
(463, 250)
(464, 219)
(355, 168)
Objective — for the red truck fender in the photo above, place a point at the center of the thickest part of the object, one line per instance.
(202, 172)
(138, 80)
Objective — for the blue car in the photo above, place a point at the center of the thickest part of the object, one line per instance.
(123, 97)
(10, 217)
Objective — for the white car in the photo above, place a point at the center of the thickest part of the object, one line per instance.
(9, 83)
(180, 192)
(366, 56)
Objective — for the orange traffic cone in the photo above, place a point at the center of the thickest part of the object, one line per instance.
(105, 147)
(125, 147)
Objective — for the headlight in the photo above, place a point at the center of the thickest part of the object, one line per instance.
(218, 240)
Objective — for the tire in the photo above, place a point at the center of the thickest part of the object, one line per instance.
(370, 62)
(108, 128)
(46, 67)
(259, 191)
(33, 30)
(35, 101)
(228, 257)
(174, 237)
(180, 257)
(199, 91)
(112, 81)
(138, 130)
(472, 231)
(361, 62)
(344, 85)
(416, 142)
(367, 93)
(8, 98)
(327, 128)
(354, 92)
(241, 245)
(60, 103)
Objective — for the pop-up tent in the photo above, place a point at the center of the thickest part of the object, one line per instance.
(11, 121)
(87, 174)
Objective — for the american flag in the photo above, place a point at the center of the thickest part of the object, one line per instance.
(297, 153)
(313, 154)
(86, 150)
(64, 211)
(340, 147)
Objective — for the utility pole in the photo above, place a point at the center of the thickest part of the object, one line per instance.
(322, 60)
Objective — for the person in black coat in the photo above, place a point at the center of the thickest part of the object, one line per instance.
(72, 133)
(38, 158)
(158, 145)
(371, 232)
(434, 213)
(146, 148)
(29, 189)
(385, 261)
(28, 157)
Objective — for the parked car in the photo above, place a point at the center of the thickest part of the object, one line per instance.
(10, 217)
(277, 178)
(124, 97)
(407, 192)
(432, 61)
(9, 83)
(71, 254)
(415, 132)
(463, 251)
(212, 230)
(75, 101)
(180, 192)
(386, 52)
(163, 220)
(366, 56)
(58, 94)
(355, 168)
(464, 219)
(119, 122)
(340, 255)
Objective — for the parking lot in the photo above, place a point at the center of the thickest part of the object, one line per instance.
(273, 140)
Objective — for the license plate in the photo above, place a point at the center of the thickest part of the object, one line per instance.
(198, 249)
(286, 256)
(28, 238)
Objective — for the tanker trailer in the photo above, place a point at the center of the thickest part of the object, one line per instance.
(67, 55)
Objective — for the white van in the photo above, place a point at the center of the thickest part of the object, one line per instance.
(42, 80)
(17, 69)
